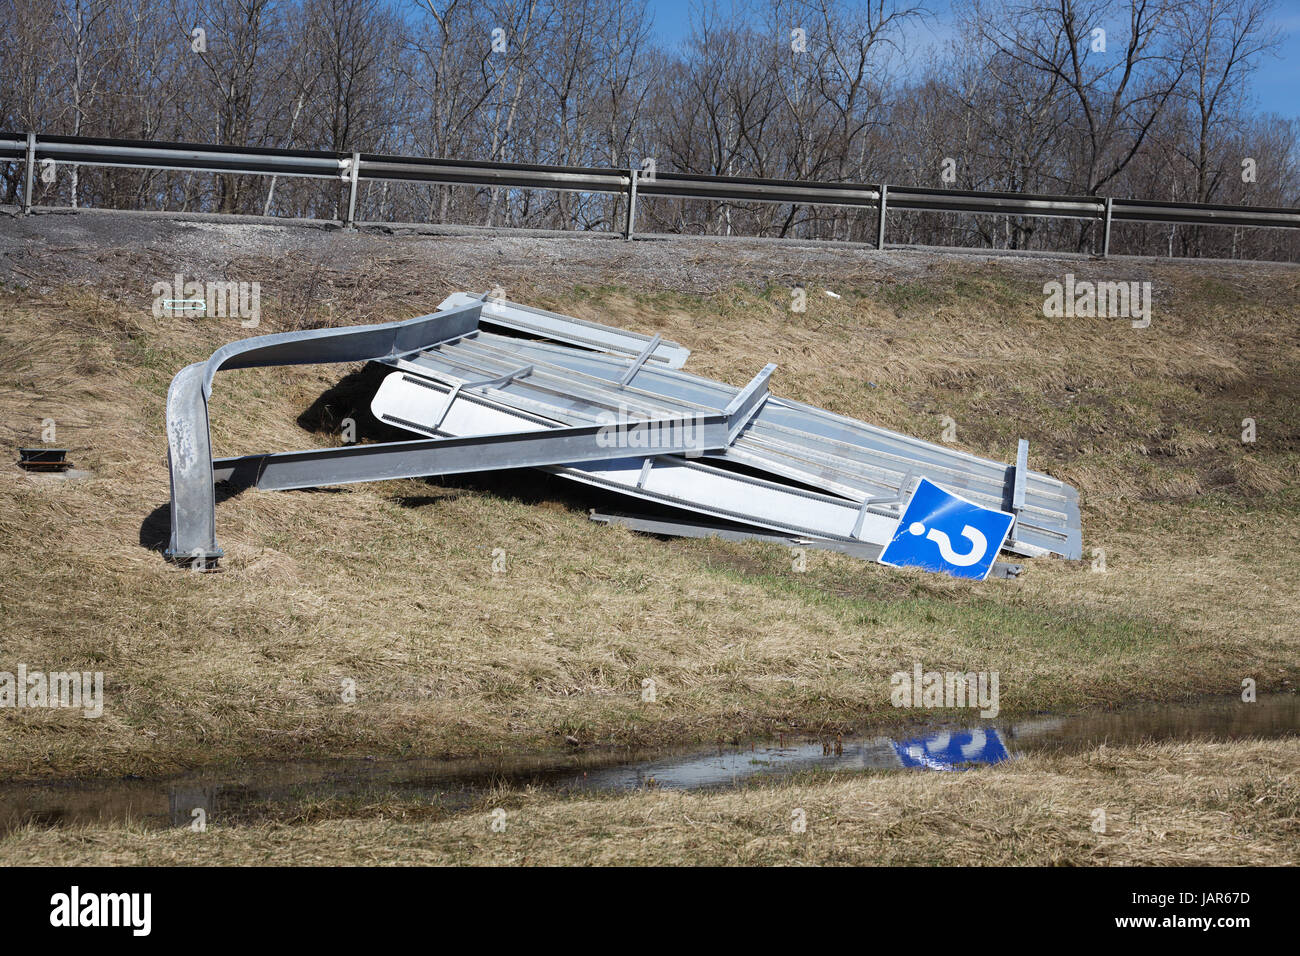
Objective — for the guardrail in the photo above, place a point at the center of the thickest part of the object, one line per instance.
(353, 168)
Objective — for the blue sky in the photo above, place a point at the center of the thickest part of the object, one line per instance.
(1275, 83)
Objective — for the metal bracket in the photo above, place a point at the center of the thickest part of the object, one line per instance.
(870, 500)
(482, 383)
(640, 360)
(742, 409)
(1019, 480)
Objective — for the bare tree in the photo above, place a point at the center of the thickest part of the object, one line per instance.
(83, 38)
(1118, 89)
(1223, 42)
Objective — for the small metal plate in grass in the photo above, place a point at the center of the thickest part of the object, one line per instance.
(43, 459)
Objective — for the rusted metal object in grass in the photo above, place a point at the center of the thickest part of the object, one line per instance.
(43, 459)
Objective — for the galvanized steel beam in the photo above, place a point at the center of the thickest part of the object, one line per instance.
(189, 445)
(742, 409)
(422, 458)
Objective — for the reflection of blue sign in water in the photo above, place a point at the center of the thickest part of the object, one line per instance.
(950, 750)
(941, 532)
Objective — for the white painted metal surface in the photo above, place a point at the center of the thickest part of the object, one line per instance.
(422, 405)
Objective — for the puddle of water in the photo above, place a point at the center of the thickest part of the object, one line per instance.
(259, 791)
(955, 747)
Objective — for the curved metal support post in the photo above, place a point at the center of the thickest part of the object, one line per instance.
(189, 444)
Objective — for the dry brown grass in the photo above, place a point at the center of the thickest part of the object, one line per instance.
(1222, 804)
(390, 584)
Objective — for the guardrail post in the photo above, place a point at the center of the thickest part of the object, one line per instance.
(1105, 231)
(631, 205)
(880, 223)
(353, 170)
(30, 178)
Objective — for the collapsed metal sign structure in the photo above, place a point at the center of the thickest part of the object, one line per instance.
(489, 385)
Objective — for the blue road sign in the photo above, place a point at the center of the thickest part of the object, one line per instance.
(942, 532)
(952, 750)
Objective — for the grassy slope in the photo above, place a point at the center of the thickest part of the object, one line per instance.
(1236, 804)
(391, 584)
